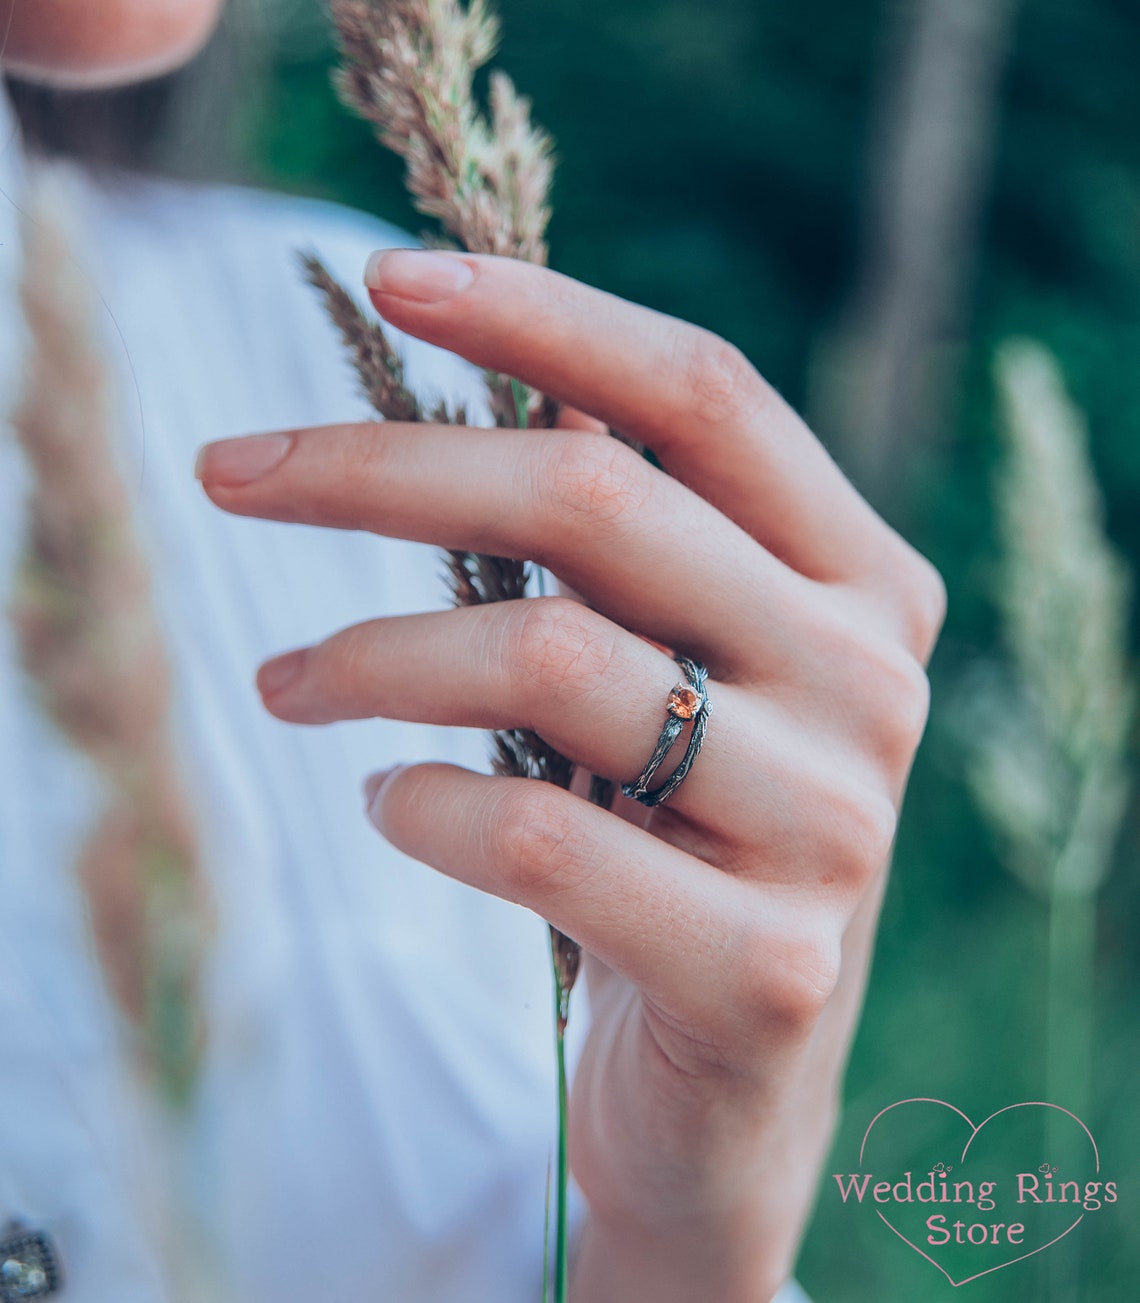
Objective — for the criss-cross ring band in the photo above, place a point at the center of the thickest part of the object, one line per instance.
(687, 701)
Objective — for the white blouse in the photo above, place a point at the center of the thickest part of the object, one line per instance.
(376, 1112)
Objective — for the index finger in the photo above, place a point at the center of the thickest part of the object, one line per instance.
(694, 399)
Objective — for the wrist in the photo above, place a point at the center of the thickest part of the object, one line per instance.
(735, 1260)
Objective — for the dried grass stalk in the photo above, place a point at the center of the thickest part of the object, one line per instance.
(90, 640)
(474, 579)
(408, 68)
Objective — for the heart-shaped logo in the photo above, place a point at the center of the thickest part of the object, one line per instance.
(974, 1198)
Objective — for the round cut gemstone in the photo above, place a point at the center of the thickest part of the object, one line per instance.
(684, 701)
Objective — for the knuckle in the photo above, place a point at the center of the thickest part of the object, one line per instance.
(927, 605)
(811, 976)
(854, 829)
(361, 451)
(587, 477)
(910, 593)
(866, 823)
(884, 692)
(337, 676)
(720, 384)
(559, 647)
(348, 659)
(788, 983)
(904, 704)
(537, 843)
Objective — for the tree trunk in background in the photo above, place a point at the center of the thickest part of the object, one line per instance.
(883, 384)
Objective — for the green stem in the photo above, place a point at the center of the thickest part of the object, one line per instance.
(546, 1243)
(561, 1265)
(1068, 1042)
(561, 1256)
(518, 393)
(1072, 948)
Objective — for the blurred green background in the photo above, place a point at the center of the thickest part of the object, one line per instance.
(867, 196)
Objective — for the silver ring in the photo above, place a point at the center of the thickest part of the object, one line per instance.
(687, 701)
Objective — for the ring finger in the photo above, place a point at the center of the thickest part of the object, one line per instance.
(589, 688)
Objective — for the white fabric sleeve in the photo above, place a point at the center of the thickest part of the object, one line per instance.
(791, 1293)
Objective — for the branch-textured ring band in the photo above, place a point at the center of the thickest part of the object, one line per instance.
(687, 701)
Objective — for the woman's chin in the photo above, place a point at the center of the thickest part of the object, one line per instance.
(86, 76)
(75, 45)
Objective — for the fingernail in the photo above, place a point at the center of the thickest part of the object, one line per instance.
(422, 275)
(276, 675)
(231, 462)
(374, 786)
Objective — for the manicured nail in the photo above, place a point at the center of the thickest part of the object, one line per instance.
(276, 675)
(374, 786)
(232, 462)
(422, 275)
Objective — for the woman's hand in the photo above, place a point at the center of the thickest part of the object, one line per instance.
(727, 939)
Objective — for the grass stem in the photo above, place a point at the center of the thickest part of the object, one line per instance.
(562, 1170)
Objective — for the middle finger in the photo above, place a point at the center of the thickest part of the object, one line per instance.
(637, 544)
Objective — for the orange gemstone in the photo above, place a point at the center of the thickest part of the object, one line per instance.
(684, 702)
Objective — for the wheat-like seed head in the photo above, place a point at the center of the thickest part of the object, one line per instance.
(91, 642)
(1051, 771)
(408, 67)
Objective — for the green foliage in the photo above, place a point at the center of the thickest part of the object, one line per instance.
(713, 164)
